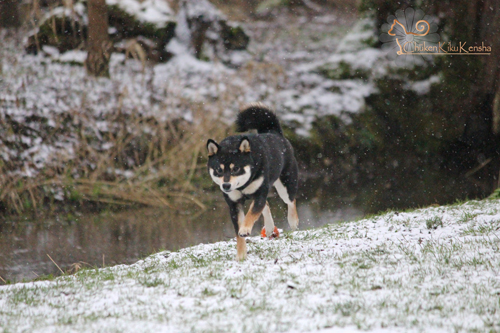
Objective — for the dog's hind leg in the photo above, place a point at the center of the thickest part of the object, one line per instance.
(293, 217)
(268, 222)
(287, 186)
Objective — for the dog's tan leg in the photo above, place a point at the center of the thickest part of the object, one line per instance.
(293, 217)
(249, 221)
(241, 244)
(241, 248)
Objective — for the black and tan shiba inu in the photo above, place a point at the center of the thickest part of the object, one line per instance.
(246, 166)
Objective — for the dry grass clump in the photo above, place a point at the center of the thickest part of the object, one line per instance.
(144, 161)
(68, 142)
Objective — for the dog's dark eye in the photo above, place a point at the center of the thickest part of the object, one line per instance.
(236, 169)
(217, 171)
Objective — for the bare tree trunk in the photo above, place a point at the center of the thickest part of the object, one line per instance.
(490, 28)
(9, 14)
(98, 45)
(496, 115)
(486, 28)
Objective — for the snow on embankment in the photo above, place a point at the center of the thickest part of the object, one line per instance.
(433, 269)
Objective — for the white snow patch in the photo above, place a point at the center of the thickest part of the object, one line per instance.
(74, 56)
(157, 12)
(356, 38)
(364, 59)
(424, 87)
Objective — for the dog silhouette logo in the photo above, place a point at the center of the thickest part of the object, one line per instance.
(409, 34)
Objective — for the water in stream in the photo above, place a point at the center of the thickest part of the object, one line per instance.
(96, 240)
(124, 237)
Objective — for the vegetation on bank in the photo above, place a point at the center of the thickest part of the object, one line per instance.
(414, 129)
(432, 126)
(70, 142)
(146, 161)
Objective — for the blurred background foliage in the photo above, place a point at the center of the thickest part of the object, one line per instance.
(404, 149)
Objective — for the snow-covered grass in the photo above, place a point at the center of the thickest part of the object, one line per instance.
(432, 269)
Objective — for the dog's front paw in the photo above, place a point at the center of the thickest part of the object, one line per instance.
(244, 231)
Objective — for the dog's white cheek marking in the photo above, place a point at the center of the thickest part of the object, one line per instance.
(241, 180)
(253, 186)
(217, 180)
(282, 192)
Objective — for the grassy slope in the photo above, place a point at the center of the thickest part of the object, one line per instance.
(421, 270)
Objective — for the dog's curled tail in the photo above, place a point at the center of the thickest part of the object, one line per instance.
(258, 116)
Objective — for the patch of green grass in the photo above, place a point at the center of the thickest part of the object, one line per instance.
(481, 229)
(466, 217)
(150, 283)
(342, 71)
(48, 277)
(24, 295)
(434, 222)
(443, 253)
(173, 264)
(265, 252)
(208, 292)
(495, 194)
(107, 276)
(409, 251)
(346, 309)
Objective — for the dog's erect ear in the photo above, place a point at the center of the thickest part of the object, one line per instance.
(245, 145)
(212, 147)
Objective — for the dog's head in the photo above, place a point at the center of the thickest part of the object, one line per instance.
(230, 164)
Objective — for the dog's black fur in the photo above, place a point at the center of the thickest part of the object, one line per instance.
(246, 166)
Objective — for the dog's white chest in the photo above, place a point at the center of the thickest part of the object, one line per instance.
(253, 186)
(235, 195)
(250, 189)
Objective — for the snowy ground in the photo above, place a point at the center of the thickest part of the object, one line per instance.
(433, 269)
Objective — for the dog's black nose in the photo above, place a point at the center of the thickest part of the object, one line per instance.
(226, 186)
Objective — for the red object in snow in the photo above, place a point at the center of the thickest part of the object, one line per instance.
(275, 234)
